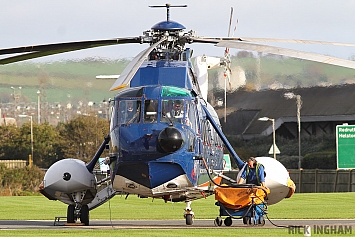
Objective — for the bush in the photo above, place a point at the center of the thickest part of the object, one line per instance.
(322, 147)
(320, 160)
(20, 181)
(290, 162)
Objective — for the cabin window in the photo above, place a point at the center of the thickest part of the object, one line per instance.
(191, 111)
(150, 111)
(113, 112)
(190, 141)
(129, 111)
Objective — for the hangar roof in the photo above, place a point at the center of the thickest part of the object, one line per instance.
(336, 103)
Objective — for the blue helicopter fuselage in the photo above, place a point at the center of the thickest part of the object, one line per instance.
(154, 151)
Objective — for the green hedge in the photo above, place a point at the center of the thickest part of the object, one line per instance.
(290, 162)
(20, 181)
(320, 160)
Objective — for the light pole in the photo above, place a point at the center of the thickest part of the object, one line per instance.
(291, 95)
(39, 107)
(30, 116)
(273, 133)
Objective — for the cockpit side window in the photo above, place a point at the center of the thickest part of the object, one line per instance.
(150, 111)
(129, 111)
(173, 110)
(177, 110)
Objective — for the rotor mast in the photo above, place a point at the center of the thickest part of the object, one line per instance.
(168, 5)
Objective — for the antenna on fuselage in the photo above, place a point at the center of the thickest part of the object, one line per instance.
(168, 5)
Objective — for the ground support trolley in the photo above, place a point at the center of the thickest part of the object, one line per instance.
(245, 202)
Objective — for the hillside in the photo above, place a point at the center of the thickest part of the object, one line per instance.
(272, 72)
(63, 81)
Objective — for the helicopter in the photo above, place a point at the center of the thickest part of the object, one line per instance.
(154, 150)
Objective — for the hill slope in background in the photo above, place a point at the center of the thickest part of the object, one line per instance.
(60, 81)
(272, 72)
(63, 81)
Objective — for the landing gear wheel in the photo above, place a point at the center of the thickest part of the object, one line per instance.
(251, 221)
(70, 214)
(261, 221)
(246, 220)
(218, 221)
(228, 221)
(189, 220)
(84, 215)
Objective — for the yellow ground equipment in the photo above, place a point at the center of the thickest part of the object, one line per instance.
(243, 201)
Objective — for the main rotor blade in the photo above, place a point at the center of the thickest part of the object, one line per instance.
(32, 55)
(29, 52)
(274, 40)
(280, 51)
(128, 73)
(230, 22)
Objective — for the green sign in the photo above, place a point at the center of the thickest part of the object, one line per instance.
(345, 146)
(227, 160)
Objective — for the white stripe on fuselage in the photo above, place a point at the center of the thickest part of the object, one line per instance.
(126, 185)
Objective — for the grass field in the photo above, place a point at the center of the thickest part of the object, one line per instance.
(220, 232)
(300, 206)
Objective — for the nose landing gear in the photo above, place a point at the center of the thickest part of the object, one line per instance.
(76, 211)
(189, 214)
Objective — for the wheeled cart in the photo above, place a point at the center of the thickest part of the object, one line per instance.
(245, 202)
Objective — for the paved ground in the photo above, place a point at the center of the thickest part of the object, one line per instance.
(162, 224)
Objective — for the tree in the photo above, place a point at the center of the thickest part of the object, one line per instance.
(11, 144)
(16, 143)
(82, 136)
(46, 143)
